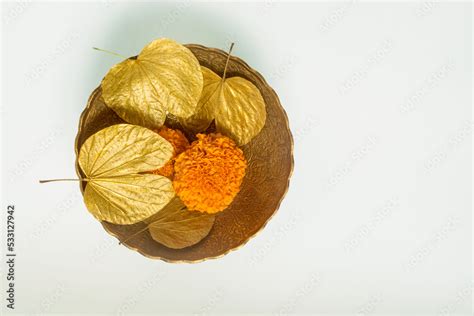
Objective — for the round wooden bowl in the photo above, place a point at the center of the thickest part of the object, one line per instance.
(270, 164)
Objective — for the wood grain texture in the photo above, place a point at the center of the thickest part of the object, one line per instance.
(270, 164)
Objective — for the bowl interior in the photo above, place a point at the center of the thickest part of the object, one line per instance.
(270, 163)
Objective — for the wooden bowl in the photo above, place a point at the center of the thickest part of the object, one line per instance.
(270, 164)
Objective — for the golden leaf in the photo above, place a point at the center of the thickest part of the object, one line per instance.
(235, 104)
(176, 227)
(164, 78)
(112, 161)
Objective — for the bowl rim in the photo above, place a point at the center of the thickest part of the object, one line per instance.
(240, 61)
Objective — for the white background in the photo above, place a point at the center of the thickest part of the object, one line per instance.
(378, 216)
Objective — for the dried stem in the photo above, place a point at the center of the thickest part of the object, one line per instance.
(133, 235)
(227, 61)
(55, 180)
(109, 52)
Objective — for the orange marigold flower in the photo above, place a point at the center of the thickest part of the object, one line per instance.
(179, 142)
(208, 175)
(175, 137)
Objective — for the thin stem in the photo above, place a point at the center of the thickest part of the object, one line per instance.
(227, 61)
(133, 235)
(109, 52)
(55, 180)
